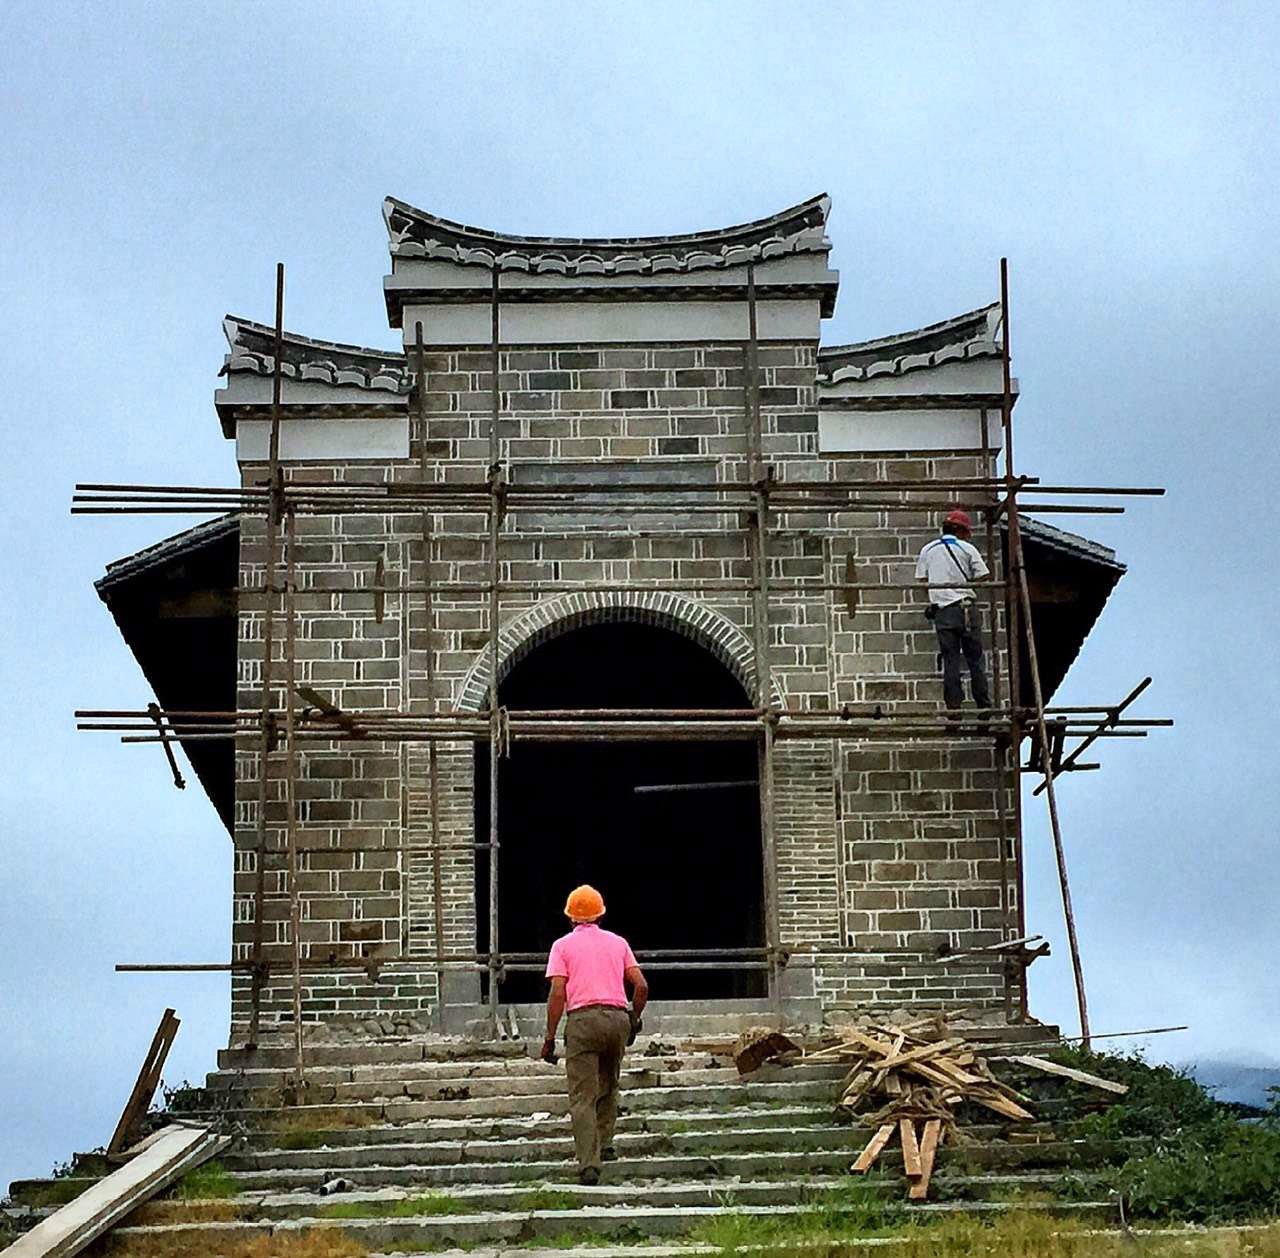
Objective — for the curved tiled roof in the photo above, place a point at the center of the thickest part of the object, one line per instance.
(1068, 543)
(179, 546)
(967, 336)
(416, 234)
(252, 350)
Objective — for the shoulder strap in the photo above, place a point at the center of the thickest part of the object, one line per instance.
(968, 576)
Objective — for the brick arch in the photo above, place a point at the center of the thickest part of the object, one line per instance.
(549, 619)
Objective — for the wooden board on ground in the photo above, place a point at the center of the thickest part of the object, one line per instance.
(127, 1129)
(155, 1164)
(1069, 1072)
(866, 1159)
(910, 1149)
(928, 1152)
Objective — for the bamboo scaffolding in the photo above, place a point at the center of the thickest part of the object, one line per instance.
(647, 507)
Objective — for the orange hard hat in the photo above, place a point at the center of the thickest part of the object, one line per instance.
(585, 904)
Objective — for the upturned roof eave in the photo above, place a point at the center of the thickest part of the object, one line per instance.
(808, 213)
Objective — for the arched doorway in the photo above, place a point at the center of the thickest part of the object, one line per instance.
(677, 868)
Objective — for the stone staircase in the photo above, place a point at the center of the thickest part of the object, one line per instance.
(455, 1143)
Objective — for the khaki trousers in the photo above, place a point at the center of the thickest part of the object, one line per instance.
(594, 1040)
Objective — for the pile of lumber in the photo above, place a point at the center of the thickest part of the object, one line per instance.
(908, 1081)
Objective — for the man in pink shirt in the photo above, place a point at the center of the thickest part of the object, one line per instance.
(589, 971)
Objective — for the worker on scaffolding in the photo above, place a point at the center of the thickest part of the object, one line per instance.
(950, 564)
(590, 969)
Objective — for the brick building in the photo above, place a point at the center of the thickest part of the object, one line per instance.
(621, 361)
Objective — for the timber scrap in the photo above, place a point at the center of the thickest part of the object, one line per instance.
(908, 1080)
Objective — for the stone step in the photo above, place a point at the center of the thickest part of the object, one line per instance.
(490, 1199)
(466, 1129)
(630, 1145)
(552, 1101)
(371, 1052)
(379, 1084)
(670, 1018)
(522, 1226)
(728, 1166)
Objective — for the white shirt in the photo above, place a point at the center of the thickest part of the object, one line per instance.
(948, 560)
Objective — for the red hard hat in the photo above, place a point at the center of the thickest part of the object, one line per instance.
(959, 517)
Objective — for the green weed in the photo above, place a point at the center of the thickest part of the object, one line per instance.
(550, 1199)
(430, 1204)
(53, 1192)
(209, 1182)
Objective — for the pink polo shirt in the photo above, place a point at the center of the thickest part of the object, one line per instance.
(593, 960)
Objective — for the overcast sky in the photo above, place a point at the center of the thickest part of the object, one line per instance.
(157, 160)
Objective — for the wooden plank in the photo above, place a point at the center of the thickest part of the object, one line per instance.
(832, 1050)
(880, 1047)
(866, 1159)
(1069, 1072)
(145, 1087)
(910, 1149)
(1001, 1105)
(928, 1151)
(161, 1159)
(855, 1088)
(924, 1053)
(934, 1073)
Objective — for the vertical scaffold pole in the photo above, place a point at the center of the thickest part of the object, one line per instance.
(1006, 766)
(433, 704)
(495, 718)
(291, 780)
(759, 474)
(275, 486)
(1019, 575)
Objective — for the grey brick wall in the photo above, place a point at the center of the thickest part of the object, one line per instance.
(888, 847)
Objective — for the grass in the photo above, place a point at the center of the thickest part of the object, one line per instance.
(53, 1192)
(854, 1209)
(589, 1240)
(400, 1208)
(1019, 1235)
(210, 1182)
(303, 1123)
(550, 1199)
(158, 1213)
(314, 1243)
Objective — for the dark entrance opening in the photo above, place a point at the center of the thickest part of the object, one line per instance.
(677, 869)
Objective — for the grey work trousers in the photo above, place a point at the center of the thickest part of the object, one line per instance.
(595, 1038)
(960, 639)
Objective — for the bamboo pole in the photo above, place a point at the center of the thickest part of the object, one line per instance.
(291, 788)
(268, 733)
(495, 606)
(1000, 749)
(1024, 598)
(759, 543)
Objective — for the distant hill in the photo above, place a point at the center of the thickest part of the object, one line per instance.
(1232, 1081)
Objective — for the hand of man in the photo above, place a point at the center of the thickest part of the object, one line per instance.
(636, 1026)
(548, 1053)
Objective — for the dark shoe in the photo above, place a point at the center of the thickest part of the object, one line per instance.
(589, 1176)
(609, 1155)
